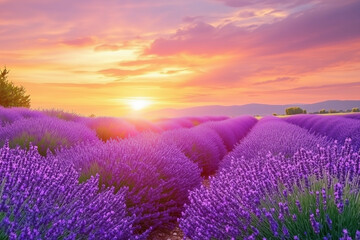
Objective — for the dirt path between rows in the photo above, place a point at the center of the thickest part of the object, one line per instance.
(176, 233)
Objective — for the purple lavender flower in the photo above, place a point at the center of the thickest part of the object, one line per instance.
(46, 133)
(323, 192)
(338, 194)
(345, 235)
(200, 144)
(158, 175)
(8, 116)
(276, 136)
(240, 189)
(357, 235)
(315, 225)
(285, 232)
(232, 130)
(298, 205)
(42, 199)
(335, 127)
(62, 115)
(328, 221)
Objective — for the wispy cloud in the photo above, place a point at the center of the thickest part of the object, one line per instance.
(80, 42)
(276, 80)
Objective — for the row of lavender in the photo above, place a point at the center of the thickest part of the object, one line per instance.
(296, 178)
(118, 189)
(52, 129)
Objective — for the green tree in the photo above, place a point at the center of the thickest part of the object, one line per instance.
(355, 110)
(323, 111)
(11, 95)
(294, 110)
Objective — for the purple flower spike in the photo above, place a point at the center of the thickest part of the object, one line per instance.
(345, 235)
(315, 225)
(357, 235)
(328, 221)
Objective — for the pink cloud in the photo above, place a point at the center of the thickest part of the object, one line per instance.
(266, 3)
(321, 26)
(277, 80)
(80, 42)
(199, 38)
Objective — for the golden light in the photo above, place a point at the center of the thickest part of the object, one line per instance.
(138, 103)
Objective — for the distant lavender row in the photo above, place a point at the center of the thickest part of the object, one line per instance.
(352, 116)
(208, 143)
(312, 195)
(158, 175)
(335, 127)
(40, 198)
(46, 133)
(52, 129)
(10, 115)
(127, 125)
(272, 134)
(112, 128)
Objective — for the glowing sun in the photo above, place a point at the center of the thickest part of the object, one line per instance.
(138, 104)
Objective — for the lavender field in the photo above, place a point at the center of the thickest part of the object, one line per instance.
(65, 176)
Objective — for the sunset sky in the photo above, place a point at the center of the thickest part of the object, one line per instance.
(99, 56)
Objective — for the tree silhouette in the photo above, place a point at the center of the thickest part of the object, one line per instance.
(294, 110)
(11, 95)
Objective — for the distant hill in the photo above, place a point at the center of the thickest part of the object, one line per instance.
(252, 109)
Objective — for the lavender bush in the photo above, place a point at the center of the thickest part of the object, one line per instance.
(324, 209)
(27, 113)
(232, 130)
(335, 127)
(107, 128)
(158, 175)
(352, 116)
(188, 122)
(142, 125)
(40, 198)
(200, 144)
(46, 133)
(167, 124)
(183, 122)
(10, 115)
(62, 115)
(312, 195)
(274, 135)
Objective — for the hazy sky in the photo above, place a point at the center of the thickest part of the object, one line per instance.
(97, 56)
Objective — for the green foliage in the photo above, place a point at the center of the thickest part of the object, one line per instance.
(323, 111)
(332, 111)
(355, 110)
(312, 202)
(294, 110)
(3, 236)
(47, 142)
(11, 95)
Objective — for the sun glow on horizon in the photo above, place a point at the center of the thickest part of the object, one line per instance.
(139, 103)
